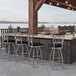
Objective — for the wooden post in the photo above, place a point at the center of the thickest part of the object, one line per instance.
(33, 16)
(34, 6)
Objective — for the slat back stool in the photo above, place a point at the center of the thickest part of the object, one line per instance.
(20, 43)
(56, 52)
(8, 42)
(34, 49)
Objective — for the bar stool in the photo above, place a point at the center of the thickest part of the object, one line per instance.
(34, 49)
(56, 52)
(8, 42)
(20, 43)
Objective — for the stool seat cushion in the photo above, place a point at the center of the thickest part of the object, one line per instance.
(58, 45)
(37, 44)
(9, 40)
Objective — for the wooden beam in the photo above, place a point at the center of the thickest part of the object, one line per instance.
(39, 4)
(63, 4)
(34, 6)
(32, 18)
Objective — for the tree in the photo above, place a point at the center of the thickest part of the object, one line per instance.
(42, 26)
(10, 29)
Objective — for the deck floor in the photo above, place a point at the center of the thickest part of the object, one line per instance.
(12, 66)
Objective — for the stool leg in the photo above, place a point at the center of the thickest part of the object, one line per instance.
(29, 55)
(5, 50)
(51, 56)
(22, 51)
(27, 50)
(33, 56)
(16, 51)
(61, 57)
(37, 53)
(14, 47)
(5, 45)
(41, 54)
(9, 49)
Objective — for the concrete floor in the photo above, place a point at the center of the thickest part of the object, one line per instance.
(11, 66)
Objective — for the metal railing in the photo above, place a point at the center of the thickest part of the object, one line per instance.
(14, 30)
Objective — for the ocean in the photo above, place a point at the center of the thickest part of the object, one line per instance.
(25, 25)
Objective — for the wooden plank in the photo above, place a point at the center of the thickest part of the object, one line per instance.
(39, 4)
(32, 18)
(73, 7)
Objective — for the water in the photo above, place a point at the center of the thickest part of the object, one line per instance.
(25, 25)
(2, 26)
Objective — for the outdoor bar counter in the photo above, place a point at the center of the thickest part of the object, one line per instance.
(69, 48)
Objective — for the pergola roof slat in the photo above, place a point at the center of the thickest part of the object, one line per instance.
(67, 4)
(39, 4)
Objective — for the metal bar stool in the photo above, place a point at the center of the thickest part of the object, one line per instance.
(20, 43)
(56, 52)
(34, 49)
(8, 42)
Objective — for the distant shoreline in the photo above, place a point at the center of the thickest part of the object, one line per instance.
(38, 22)
(6, 22)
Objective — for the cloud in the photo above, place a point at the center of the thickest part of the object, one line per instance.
(10, 9)
(15, 10)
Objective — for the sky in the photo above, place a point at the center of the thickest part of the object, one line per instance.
(17, 10)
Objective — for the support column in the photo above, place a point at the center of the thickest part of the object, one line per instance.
(33, 18)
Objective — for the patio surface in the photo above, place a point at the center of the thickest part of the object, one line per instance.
(11, 66)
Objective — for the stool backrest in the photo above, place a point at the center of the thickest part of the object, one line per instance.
(30, 40)
(58, 39)
(18, 38)
(5, 37)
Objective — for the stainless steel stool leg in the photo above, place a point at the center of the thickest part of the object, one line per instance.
(41, 55)
(17, 51)
(9, 49)
(8, 45)
(22, 51)
(51, 56)
(27, 50)
(14, 48)
(33, 56)
(61, 57)
(37, 54)
(53, 59)
(29, 54)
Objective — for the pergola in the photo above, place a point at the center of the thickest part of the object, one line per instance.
(35, 5)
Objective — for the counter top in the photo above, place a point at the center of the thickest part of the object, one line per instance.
(66, 37)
